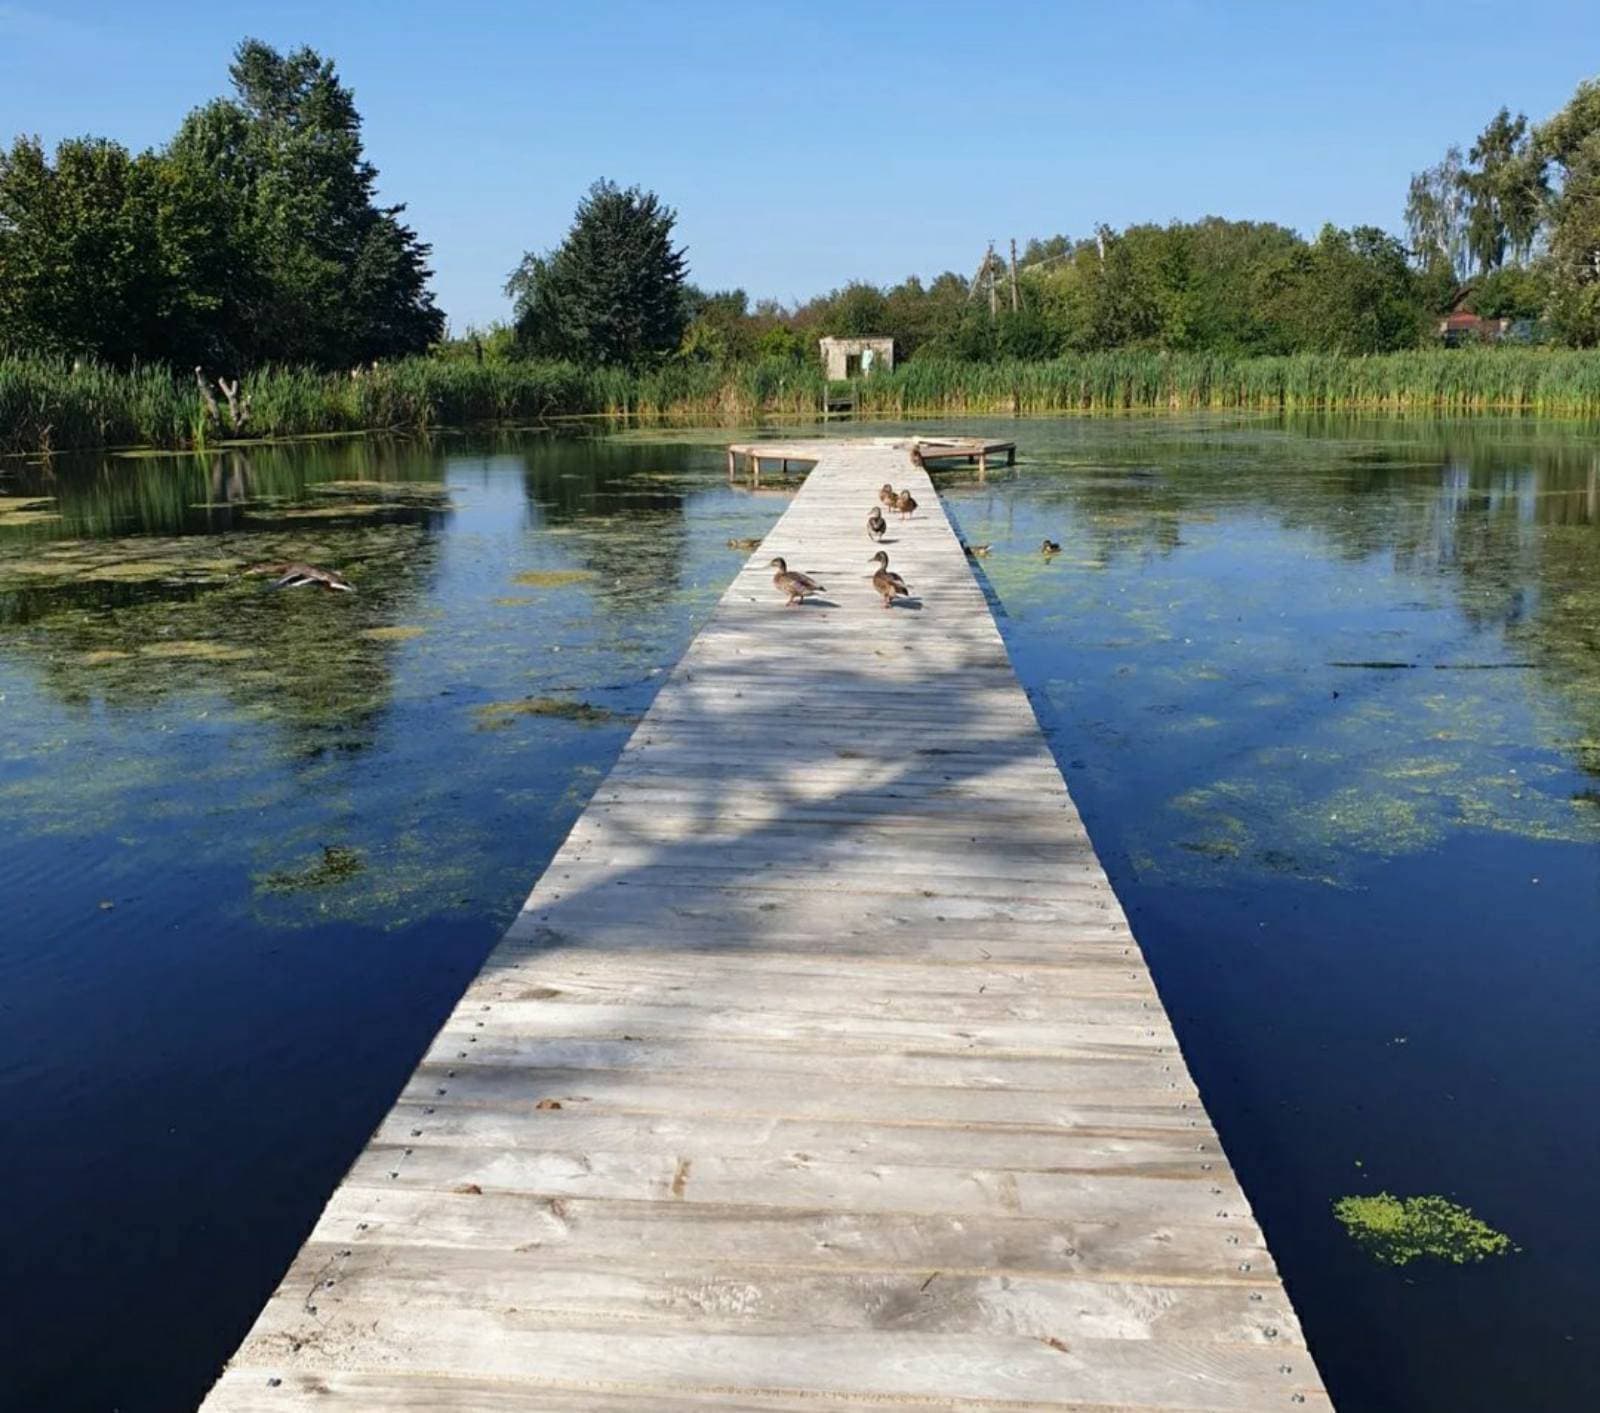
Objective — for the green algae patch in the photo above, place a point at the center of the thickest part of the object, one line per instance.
(196, 648)
(338, 864)
(397, 633)
(419, 490)
(342, 511)
(552, 578)
(515, 600)
(21, 509)
(132, 572)
(1399, 1230)
(494, 715)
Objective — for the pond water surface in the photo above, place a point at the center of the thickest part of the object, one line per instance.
(1328, 695)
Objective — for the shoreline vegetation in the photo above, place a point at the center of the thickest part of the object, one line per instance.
(49, 405)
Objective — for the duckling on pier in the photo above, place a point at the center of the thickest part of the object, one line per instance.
(793, 583)
(886, 582)
(876, 524)
(887, 495)
(905, 504)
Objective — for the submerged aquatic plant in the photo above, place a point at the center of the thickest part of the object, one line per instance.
(1399, 1230)
(338, 863)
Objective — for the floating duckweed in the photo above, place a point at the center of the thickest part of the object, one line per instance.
(337, 864)
(343, 510)
(25, 506)
(397, 633)
(132, 571)
(551, 578)
(196, 648)
(496, 714)
(416, 489)
(1399, 1230)
(515, 600)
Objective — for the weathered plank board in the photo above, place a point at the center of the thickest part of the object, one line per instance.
(820, 1070)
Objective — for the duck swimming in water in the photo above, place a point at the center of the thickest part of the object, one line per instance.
(1049, 547)
(876, 524)
(888, 583)
(793, 583)
(303, 576)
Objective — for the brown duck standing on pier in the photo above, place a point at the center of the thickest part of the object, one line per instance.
(916, 457)
(793, 583)
(888, 583)
(876, 524)
(303, 576)
(887, 496)
(905, 504)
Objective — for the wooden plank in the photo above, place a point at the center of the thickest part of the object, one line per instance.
(820, 1069)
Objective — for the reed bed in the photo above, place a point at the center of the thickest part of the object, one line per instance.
(48, 405)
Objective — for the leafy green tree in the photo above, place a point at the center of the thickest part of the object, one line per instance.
(1436, 215)
(1513, 292)
(1350, 292)
(720, 327)
(1571, 142)
(1505, 190)
(859, 310)
(781, 342)
(255, 236)
(613, 293)
(326, 274)
(96, 252)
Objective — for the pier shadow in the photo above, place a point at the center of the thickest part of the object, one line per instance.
(847, 758)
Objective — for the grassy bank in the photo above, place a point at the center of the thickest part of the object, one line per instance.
(48, 405)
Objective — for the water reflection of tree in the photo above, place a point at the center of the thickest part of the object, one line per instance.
(1506, 514)
(620, 506)
(157, 493)
(137, 597)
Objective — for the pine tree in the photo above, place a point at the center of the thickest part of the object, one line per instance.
(613, 292)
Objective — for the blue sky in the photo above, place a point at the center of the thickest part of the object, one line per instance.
(808, 144)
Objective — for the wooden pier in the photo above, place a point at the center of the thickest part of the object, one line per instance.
(820, 1070)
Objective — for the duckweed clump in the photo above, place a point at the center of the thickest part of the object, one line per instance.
(1399, 1230)
(552, 578)
(338, 864)
(494, 715)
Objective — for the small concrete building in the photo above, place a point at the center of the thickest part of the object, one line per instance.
(854, 358)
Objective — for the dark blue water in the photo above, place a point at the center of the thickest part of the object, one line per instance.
(1369, 894)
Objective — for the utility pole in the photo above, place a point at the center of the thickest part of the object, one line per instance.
(1013, 274)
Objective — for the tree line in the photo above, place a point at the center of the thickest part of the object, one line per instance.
(255, 236)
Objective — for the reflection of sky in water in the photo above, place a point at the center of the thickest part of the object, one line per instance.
(1330, 866)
